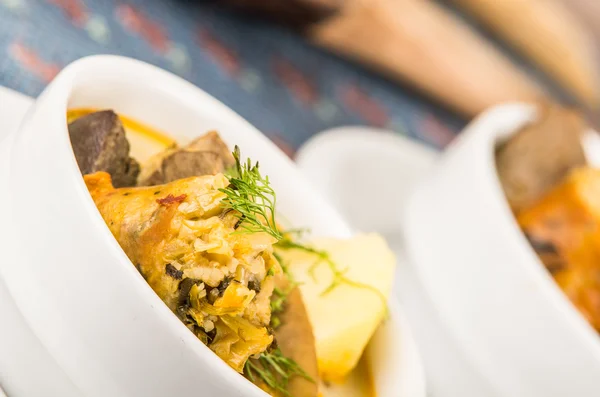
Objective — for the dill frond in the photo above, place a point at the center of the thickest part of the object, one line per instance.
(286, 269)
(275, 370)
(298, 232)
(280, 295)
(252, 197)
(278, 299)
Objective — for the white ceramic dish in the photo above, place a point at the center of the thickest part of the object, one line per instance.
(359, 169)
(90, 311)
(495, 297)
(13, 107)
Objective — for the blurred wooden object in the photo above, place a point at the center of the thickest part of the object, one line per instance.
(549, 34)
(420, 42)
(589, 12)
(415, 41)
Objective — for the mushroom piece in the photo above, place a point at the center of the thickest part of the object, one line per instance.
(99, 144)
(206, 155)
(540, 155)
(295, 338)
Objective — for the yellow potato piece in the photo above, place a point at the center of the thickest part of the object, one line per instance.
(357, 383)
(345, 318)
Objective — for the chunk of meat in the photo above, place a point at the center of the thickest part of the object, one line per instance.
(296, 341)
(206, 155)
(99, 144)
(540, 156)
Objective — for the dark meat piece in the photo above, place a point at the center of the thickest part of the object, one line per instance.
(207, 155)
(540, 156)
(99, 144)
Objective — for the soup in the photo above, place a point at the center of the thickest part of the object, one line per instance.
(200, 225)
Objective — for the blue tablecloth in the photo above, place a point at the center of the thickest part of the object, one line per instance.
(285, 86)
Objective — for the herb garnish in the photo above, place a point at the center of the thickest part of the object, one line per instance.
(252, 197)
(280, 295)
(278, 299)
(285, 268)
(275, 370)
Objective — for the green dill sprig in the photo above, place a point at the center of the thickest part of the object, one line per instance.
(323, 257)
(275, 370)
(286, 244)
(278, 302)
(298, 232)
(280, 295)
(285, 268)
(278, 299)
(252, 197)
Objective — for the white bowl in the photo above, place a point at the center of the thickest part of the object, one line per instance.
(95, 320)
(360, 168)
(511, 320)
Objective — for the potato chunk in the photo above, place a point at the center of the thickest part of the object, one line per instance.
(345, 318)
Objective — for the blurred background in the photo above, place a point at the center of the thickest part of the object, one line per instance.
(421, 68)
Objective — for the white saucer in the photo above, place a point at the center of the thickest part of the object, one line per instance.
(13, 107)
(350, 165)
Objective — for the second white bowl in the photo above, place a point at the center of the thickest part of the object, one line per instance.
(511, 320)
